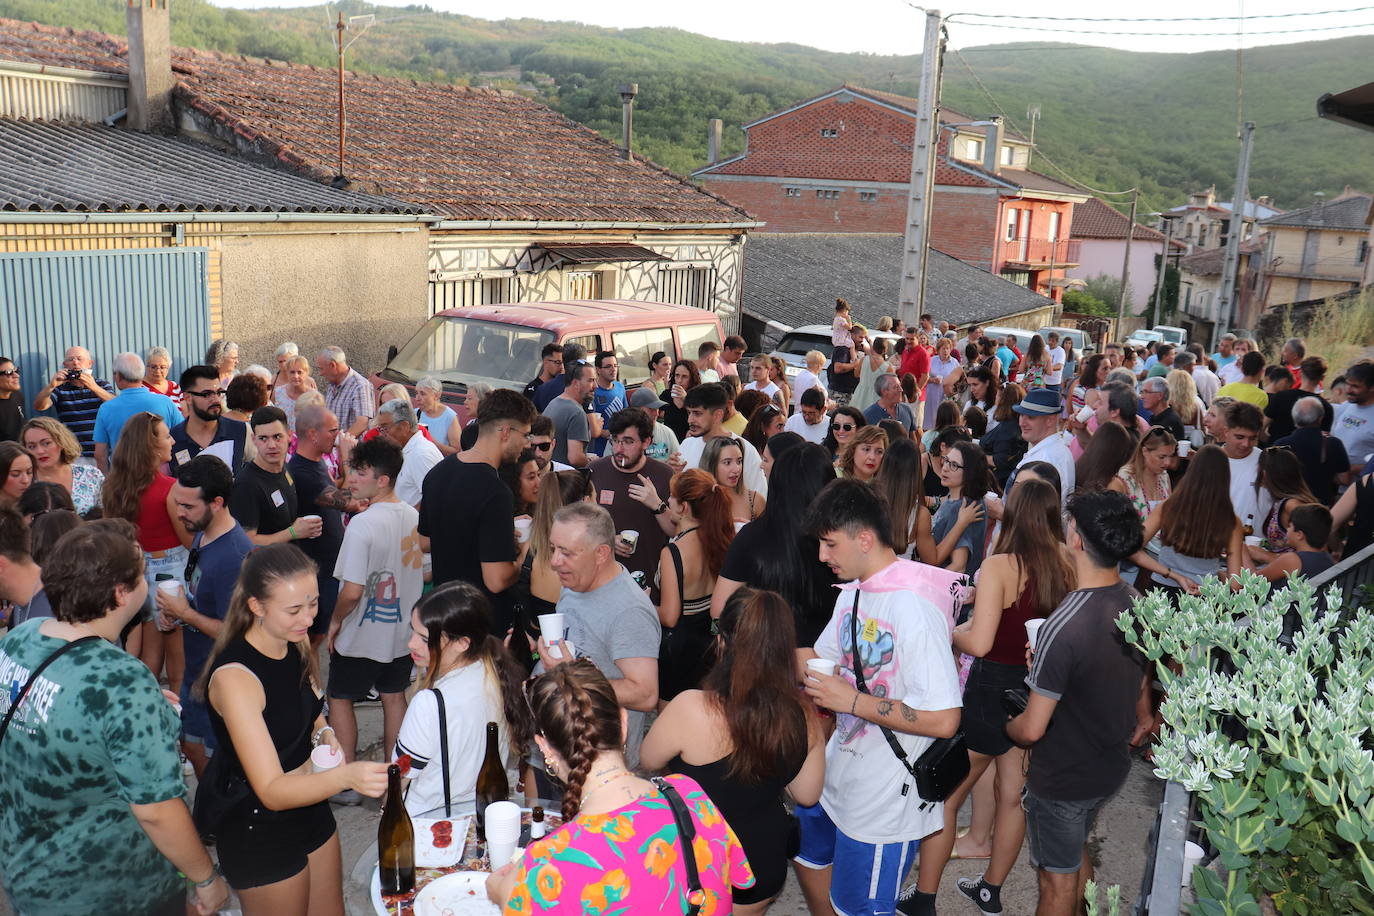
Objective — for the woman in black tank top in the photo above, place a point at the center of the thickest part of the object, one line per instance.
(746, 736)
(278, 846)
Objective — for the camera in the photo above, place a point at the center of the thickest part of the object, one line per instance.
(73, 374)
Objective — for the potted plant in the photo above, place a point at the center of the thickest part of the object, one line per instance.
(1273, 733)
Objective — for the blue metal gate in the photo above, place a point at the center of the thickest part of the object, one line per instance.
(106, 301)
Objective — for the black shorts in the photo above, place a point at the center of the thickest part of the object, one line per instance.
(329, 594)
(351, 678)
(258, 846)
(984, 721)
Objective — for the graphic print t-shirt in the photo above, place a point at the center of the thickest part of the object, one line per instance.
(904, 645)
(381, 552)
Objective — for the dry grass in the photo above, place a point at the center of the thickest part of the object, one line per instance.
(1339, 330)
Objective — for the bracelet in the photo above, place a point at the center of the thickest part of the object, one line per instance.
(855, 705)
(214, 876)
(291, 529)
(319, 733)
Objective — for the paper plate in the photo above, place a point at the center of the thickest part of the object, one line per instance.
(426, 854)
(462, 893)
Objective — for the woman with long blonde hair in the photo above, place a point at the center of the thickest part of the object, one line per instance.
(277, 841)
(55, 450)
(137, 490)
(1183, 398)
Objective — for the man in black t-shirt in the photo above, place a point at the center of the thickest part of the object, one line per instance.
(317, 429)
(467, 513)
(843, 374)
(1311, 371)
(11, 402)
(1085, 677)
(264, 500)
(551, 367)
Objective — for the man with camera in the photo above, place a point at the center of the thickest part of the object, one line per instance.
(1094, 687)
(78, 394)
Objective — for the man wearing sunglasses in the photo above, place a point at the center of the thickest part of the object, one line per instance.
(204, 426)
(11, 404)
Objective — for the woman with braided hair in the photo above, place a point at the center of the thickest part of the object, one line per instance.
(619, 844)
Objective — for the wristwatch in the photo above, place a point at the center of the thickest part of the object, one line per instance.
(662, 508)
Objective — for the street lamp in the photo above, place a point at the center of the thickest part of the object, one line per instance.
(1168, 220)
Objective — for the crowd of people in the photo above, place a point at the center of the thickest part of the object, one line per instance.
(781, 590)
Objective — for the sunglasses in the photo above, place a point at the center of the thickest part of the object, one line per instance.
(541, 446)
(7, 373)
(842, 427)
(192, 561)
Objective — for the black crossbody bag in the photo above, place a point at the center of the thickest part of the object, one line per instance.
(944, 764)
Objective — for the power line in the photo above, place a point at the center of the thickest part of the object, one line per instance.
(1035, 28)
(1353, 9)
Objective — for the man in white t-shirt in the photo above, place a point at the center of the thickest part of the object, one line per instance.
(809, 378)
(760, 381)
(1354, 420)
(1055, 374)
(1250, 501)
(397, 421)
(810, 420)
(380, 579)
(705, 413)
(886, 633)
(1230, 373)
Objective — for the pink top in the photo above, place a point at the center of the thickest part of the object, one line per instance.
(628, 861)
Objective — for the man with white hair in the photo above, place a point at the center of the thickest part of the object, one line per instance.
(132, 399)
(1154, 397)
(396, 421)
(1325, 462)
(348, 395)
(77, 394)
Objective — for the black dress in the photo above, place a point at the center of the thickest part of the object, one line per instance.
(259, 846)
(756, 814)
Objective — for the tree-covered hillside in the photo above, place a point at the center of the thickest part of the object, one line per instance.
(1110, 118)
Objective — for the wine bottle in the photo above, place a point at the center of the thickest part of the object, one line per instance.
(492, 784)
(395, 840)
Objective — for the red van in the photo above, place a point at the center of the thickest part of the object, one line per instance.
(500, 344)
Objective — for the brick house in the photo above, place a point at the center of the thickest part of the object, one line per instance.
(841, 162)
(521, 203)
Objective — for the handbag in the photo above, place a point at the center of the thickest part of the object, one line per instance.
(943, 765)
(24, 691)
(221, 788)
(443, 749)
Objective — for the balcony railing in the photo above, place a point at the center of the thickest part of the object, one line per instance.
(1036, 253)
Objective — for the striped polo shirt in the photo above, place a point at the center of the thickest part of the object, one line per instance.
(76, 407)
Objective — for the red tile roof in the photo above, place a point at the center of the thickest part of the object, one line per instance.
(1096, 219)
(463, 153)
(907, 103)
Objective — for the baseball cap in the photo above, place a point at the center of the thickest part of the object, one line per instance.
(644, 397)
(1039, 402)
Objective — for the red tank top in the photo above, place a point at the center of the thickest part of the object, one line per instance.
(1009, 645)
(155, 531)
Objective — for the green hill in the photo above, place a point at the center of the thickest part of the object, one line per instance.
(1110, 118)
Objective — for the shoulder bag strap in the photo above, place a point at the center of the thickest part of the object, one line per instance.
(24, 691)
(863, 687)
(676, 554)
(443, 749)
(686, 833)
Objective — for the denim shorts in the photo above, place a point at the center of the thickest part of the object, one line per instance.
(866, 877)
(1057, 831)
(172, 564)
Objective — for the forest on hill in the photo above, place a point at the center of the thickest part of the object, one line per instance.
(1112, 119)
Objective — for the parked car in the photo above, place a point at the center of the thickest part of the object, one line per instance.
(1142, 337)
(1170, 334)
(1021, 335)
(1082, 343)
(799, 341)
(500, 344)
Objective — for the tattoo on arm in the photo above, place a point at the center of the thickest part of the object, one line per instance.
(884, 707)
(908, 713)
(335, 498)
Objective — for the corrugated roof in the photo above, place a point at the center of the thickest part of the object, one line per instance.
(61, 166)
(1345, 212)
(794, 278)
(462, 153)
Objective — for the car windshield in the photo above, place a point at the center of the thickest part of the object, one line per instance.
(1172, 335)
(800, 344)
(470, 350)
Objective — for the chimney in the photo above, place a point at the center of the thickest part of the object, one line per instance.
(992, 148)
(713, 127)
(627, 117)
(150, 64)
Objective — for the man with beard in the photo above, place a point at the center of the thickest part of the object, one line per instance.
(466, 511)
(201, 494)
(634, 488)
(265, 500)
(203, 426)
(705, 418)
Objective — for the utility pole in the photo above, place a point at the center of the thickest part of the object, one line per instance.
(916, 245)
(1231, 266)
(1155, 311)
(1126, 266)
(339, 44)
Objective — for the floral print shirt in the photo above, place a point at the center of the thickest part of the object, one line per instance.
(627, 861)
(86, 484)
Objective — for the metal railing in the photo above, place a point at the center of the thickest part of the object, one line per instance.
(1161, 889)
(1023, 250)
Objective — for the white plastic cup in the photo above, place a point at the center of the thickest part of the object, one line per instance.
(630, 537)
(1253, 540)
(503, 828)
(551, 628)
(324, 758)
(311, 518)
(522, 529)
(822, 665)
(170, 586)
(1084, 415)
(1184, 447)
(1192, 857)
(1033, 630)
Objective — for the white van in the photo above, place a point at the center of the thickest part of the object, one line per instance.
(1170, 334)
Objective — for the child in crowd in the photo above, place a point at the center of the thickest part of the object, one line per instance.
(840, 328)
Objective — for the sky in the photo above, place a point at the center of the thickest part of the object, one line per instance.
(895, 27)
